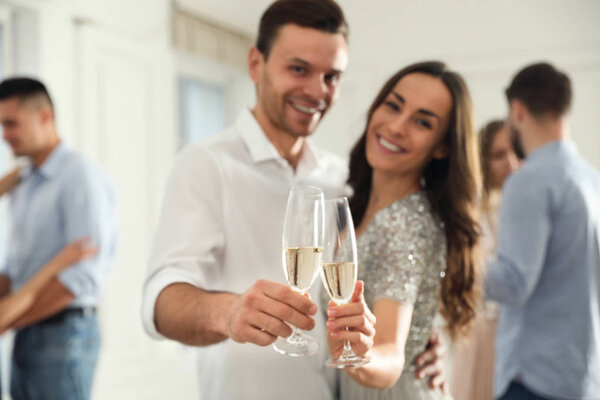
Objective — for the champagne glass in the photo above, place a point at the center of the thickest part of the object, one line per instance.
(339, 267)
(302, 244)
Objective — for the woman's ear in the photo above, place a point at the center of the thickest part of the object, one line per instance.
(441, 151)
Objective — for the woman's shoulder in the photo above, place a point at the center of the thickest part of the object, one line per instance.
(411, 214)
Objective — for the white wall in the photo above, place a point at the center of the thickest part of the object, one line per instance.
(486, 41)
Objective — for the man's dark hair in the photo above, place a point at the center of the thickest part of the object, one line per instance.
(25, 89)
(322, 15)
(543, 89)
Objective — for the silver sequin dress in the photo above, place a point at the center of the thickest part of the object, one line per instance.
(402, 256)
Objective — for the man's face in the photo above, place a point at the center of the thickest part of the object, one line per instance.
(22, 127)
(300, 80)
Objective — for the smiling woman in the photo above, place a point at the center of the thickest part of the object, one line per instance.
(415, 175)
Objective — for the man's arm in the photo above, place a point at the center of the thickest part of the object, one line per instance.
(53, 298)
(525, 228)
(4, 285)
(196, 317)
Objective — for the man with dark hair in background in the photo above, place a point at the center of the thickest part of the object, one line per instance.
(547, 271)
(214, 274)
(61, 197)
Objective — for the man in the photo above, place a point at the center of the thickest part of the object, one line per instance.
(216, 265)
(547, 271)
(61, 197)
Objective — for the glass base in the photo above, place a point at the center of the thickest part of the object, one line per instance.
(347, 362)
(297, 345)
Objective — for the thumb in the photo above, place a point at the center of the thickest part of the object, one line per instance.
(357, 295)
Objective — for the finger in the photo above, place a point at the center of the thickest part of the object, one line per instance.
(425, 358)
(359, 342)
(346, 310)
(358, 292)
(279, 310)
(269, 324)
(259, 337)
(358, 323)
(437, 381)
(428, 371)
(284, 294)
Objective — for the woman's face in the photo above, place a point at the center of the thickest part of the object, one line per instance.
(407, 130)
(502, 159)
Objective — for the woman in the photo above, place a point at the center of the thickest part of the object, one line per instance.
(474, 357)
(415, 176)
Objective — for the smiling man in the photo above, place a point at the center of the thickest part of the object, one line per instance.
(214, 275)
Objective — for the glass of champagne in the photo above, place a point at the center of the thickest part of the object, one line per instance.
(302, 243)
(339, 267)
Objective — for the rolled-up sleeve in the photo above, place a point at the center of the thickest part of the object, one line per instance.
(522, 240)
(89, 211)
(189, 240)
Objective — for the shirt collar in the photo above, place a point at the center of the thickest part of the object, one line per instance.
(551, 148)
(55, 160)
(261, 149)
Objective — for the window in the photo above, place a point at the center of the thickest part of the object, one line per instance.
(201, 110)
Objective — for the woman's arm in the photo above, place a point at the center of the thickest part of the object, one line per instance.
(17, 303)
(387, 352)
(9, 181)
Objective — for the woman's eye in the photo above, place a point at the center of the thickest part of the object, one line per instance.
(392, 105)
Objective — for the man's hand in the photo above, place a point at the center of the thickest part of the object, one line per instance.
(430, 363)
(260, 315)
(358, 318)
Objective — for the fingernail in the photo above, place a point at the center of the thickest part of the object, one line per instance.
(331, 313)
(421, 375)
(312, 309)
(330, 323)
(334, 334)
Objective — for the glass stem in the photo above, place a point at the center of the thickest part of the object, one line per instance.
(347, 352)
(296, 336)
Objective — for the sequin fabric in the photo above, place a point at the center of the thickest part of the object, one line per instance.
(402, 256)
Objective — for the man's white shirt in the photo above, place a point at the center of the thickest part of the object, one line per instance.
(220, 229)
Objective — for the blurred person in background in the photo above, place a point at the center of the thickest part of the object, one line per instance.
(473, 356)
(415, 174)
(215, 270)
(61, 197)
(546, 273)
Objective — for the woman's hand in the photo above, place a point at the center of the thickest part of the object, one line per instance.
(74, 252)
(355, 316)
(10, 180)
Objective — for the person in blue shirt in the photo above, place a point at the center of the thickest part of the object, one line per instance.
(62, 197)
(546, 274)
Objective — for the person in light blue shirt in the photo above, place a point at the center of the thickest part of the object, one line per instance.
(62, 197)
(547, 271)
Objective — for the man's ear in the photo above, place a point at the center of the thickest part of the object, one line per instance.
(46, 115)
(256, 62)
(517, 110)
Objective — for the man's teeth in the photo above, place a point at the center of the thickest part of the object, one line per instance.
(389, 146)
(307, 110)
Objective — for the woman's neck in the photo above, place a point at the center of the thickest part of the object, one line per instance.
(386, 189)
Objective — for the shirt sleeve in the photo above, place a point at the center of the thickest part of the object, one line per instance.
(524, 232)
(189, 239)
(400, 251)
(88, 210)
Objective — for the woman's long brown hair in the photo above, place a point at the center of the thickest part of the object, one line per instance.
(452, 185)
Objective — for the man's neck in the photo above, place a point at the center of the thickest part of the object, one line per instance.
(545, 132)
(40, 157)
(288, 146)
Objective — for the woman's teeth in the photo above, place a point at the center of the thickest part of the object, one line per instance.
(389, 146)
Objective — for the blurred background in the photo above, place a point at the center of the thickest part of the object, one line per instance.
(134, 80)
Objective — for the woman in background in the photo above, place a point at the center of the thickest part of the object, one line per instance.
(415, 174)
(473, 357)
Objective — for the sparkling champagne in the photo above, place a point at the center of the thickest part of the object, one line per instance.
(339, 279)
(301, 266)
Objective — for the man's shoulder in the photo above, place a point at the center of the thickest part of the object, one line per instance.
(331, 161)
(79, 168)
